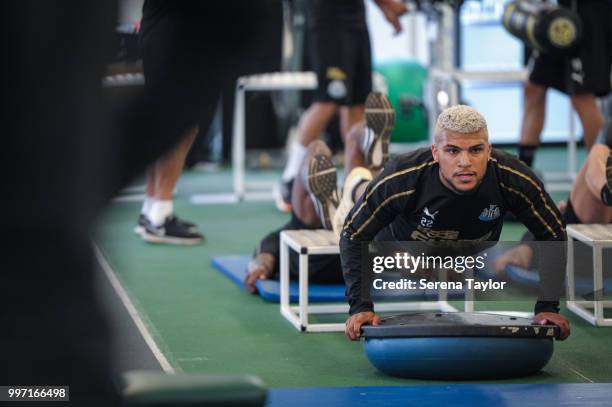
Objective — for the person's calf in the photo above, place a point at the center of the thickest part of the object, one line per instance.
(354, 185)
(590, 116)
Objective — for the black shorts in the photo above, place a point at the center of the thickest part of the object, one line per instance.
(342, 60)
(191, 49)
(587, 69)
(322, 269)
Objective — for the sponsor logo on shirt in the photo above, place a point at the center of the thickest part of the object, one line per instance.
(334, 73)
(336, 89)
(491, 213)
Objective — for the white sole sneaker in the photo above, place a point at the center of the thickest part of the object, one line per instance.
(322, 185)
(354, 178)
(380, 120)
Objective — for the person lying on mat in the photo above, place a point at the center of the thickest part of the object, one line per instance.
(458, 190)
(590, 201)
(314, 200)
(322, 269)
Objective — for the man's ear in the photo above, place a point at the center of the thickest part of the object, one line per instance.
(435, 152)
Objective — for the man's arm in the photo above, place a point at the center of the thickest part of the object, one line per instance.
(385, 198)
(534, 207)
(392, 10)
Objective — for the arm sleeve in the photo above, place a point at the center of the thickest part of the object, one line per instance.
(384, 199)
(534, 207)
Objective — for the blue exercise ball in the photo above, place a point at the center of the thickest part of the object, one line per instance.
(459, 345)
(459, 358)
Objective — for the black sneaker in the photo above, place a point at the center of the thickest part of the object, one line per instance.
(172, 231)
(141, 224)
(143, 220)
(322, 182)
(380, 120)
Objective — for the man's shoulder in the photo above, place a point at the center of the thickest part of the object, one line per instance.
(416, 159)
(512, 170)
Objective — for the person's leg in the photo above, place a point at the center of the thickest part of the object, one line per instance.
(353, 148)
(349, 117)
(366, 151)
(264, 263)
(534, 111)
(162, 225)
(587, 195)
(168, 168)
(143, 217)
(590, 116)
(312, 123)
(357, 174)
(318, 175)
(301, 201)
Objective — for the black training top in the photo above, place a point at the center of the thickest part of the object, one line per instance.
(408, 200)
(335, 13)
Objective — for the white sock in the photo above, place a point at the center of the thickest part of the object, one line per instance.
(146, 205)
(297, 152)
(160, 210)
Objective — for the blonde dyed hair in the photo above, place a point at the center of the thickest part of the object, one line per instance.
(460, 119)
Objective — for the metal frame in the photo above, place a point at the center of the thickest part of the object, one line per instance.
(262, 82)
(588, 235)
(299, 316)
(445, 73)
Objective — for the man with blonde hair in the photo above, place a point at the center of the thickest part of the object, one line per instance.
(456, 191)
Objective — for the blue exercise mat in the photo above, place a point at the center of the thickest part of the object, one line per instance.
(456, 395)
(235, 267)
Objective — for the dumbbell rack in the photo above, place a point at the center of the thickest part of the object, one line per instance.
(446, 78)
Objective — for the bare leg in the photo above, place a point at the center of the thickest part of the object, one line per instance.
(354, 156)
(534, 111)
(168, 169)
(590, 116)
(349, 117)
(314, 121)
(303, 207)
(150, 175)
(591, 178)
(311, 125)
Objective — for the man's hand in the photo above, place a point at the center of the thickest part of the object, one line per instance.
(520, 255)
(392, 10)
(552, 318)
(354, 323)
(260, 268)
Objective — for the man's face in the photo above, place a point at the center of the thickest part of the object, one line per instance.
(462, 159)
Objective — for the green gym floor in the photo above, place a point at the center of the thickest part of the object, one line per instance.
(202, 322)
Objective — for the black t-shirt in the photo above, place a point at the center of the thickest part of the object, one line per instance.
(408, 202)
(334, 13)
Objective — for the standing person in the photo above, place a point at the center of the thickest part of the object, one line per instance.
(583, 75)
(66, 161)
(339, 47)
(157, 222)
